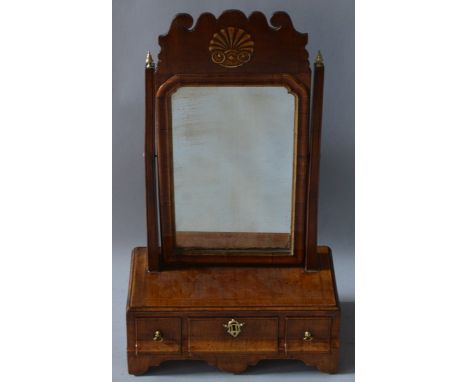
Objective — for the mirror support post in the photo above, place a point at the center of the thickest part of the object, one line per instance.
(312, 262)
(152, 211)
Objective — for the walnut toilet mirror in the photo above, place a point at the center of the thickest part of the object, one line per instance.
(232, 273)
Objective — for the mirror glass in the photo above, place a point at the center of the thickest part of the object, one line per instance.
(233, 165)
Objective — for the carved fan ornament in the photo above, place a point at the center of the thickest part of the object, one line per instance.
(233, 40)
(231, 47)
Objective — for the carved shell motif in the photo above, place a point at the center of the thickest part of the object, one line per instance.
(231, 47)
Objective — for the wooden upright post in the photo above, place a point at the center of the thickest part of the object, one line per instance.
(312, 261)
(152, 212)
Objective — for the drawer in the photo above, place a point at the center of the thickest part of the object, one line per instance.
(316, 340)
(239, 335)
(167, 340)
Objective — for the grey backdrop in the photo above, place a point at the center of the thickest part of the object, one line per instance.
(330, 24)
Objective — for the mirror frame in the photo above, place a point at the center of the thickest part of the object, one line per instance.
(279, 58)
(165, 170)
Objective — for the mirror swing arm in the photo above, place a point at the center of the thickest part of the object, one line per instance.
(151, 174)
(174, 70)
(235, 303)
(312, 260)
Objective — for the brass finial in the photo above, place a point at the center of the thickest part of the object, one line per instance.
(319, 59)
(149, 60)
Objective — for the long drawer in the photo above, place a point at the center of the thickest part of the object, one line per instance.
(233, 335)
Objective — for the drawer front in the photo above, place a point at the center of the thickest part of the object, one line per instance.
(243, 335)
(158, 335)
(308, 334)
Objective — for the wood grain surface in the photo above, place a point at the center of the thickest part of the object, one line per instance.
(191, 306)
(231, 287)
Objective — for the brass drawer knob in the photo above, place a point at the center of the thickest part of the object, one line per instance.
(158, 336)
(234, 327)
(308, 336)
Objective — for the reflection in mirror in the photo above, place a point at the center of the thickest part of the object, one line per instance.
(233, 154)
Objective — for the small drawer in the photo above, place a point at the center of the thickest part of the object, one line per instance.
(238, 335)
(308, 334)
(158, 335)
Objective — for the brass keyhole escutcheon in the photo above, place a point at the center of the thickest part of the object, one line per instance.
(158, 336)
(234, 327)
(308, 336)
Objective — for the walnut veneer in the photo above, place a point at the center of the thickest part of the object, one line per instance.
(232, 307)
(190, 307)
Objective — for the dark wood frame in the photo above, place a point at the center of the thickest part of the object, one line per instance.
(170, 252)
(279, 58)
